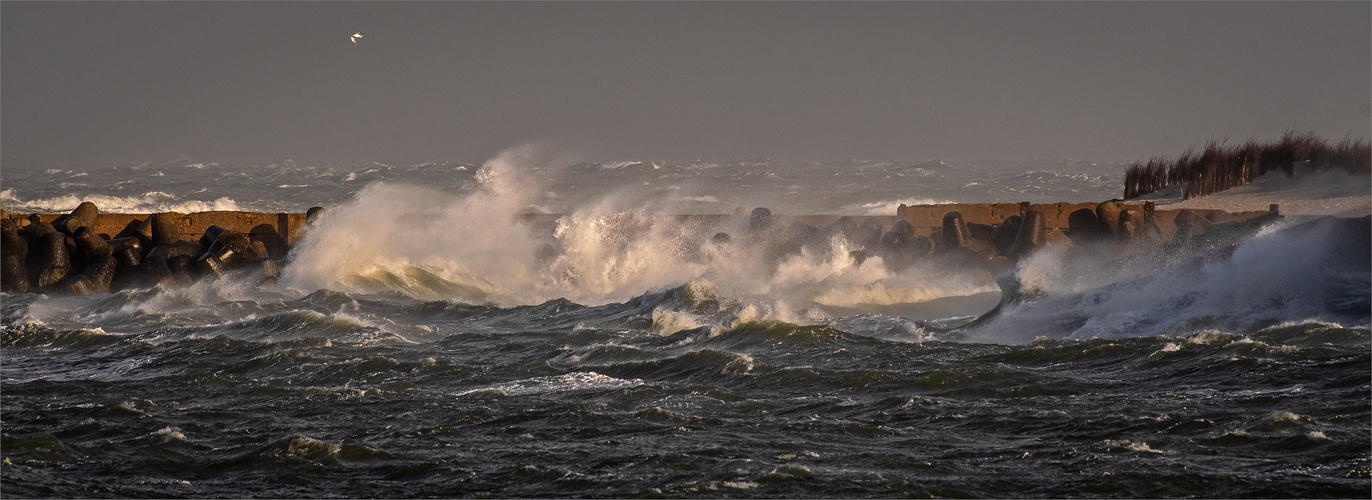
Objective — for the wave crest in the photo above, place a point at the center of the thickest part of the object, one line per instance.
(146, 203)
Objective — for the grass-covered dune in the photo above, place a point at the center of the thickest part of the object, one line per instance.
(1220, 166)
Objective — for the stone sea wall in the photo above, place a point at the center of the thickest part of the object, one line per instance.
(86, 251)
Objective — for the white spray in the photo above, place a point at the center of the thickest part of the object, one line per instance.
(437, 245)
(1281, 274)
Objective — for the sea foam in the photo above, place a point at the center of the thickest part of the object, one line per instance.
(147, 203)
(610, 250)
(1290, 270)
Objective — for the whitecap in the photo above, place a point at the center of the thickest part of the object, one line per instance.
(568, 382)
(149, 202)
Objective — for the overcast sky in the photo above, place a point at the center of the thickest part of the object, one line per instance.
(263, 81)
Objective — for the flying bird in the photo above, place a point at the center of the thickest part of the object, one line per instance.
(355, 37)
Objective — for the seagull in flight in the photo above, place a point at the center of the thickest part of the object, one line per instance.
(355, 37)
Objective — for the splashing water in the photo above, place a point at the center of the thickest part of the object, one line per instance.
(431, 336)
(471, 247)
(390, 231)
(1290, 270)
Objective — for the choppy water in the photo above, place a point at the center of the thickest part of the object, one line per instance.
(556, 185)
(421, 344)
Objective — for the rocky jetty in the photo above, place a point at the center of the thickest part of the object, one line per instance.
(76, 253)
(69, 257)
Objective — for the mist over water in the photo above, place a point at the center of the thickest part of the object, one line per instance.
(1289, 271)
(428, 339)
(610, 251)
(853, 187)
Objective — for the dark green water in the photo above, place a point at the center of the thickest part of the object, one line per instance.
(309, 397)
(1235, 366)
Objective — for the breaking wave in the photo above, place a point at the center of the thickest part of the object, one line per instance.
(147, 203)
(470, 247)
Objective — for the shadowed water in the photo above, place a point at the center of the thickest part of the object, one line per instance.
(377, 395)
(620, 354)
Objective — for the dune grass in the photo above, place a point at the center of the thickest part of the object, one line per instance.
(1220, 166)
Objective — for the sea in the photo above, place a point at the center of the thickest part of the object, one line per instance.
(427, 339)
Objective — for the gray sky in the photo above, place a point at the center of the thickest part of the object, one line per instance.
(261, 81)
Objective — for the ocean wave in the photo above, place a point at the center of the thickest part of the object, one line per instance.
(886, 207)
(31, 334)
(147, 203)
(699, 199)
(466, 248)
(568, 382)
(696, 365)
(299, 324)
(617, 165)
(1287, 272)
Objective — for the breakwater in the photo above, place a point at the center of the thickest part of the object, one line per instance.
(1195, 360)
(86, 251)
